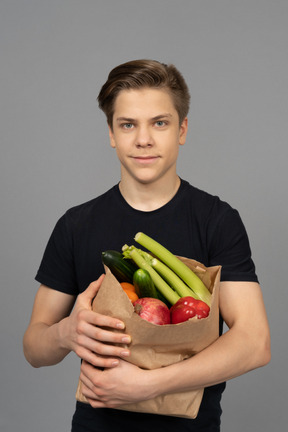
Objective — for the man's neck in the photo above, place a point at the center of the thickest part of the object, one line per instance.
(149, 197)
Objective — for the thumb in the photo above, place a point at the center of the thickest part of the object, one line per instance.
(91, 291)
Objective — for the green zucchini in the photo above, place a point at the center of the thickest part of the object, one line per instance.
(122, 268)
(143, 283)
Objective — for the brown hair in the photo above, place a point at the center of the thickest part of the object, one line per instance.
(139, 74)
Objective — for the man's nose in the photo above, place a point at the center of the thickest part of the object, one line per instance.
(144, 138)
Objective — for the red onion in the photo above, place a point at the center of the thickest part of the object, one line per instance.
(152, 310)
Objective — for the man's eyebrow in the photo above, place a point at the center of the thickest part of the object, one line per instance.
(161, 116)
(131, 120)
(125, 119)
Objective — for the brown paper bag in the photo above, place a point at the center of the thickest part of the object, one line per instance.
(156, 346)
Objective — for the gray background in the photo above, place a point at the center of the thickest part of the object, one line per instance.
(55, 154)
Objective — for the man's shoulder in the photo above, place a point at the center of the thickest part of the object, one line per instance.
(92, 206)
(202, 199)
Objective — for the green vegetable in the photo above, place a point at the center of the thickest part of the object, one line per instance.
(143, 283)
(161, 285)
(163, 299)
(174, 281)
(120, 267)
(175, 264)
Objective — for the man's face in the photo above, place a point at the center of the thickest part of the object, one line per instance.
(146, 134)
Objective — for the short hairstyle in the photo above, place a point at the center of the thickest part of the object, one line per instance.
(138, 74)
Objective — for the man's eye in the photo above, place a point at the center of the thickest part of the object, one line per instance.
(127, 125)
(160, 123)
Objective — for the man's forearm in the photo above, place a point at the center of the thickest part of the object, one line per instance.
(43, 345)
(233, 354)
(245, 346)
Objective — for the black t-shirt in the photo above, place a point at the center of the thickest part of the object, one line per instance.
(193, 224)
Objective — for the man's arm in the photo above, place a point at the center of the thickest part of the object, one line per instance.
(54, 330)
(41, 343)
(245, 346)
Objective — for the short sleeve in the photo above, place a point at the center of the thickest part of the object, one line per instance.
(57, 269)
(230, 248)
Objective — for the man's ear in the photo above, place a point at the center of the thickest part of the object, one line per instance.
(111, 136)
(183, 131)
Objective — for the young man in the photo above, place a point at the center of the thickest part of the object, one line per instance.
(146, 104)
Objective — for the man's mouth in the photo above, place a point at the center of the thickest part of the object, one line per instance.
(145, 159)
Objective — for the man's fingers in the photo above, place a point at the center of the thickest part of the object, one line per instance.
(92, 289)
(98, 361)
(85, 301)
(92, 328)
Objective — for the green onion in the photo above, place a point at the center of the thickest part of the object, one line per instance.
(175, 264)
(161, 285)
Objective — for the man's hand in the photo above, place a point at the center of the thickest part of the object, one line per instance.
(84, 334)
(56, 328)
(237, 351)
(111, 388)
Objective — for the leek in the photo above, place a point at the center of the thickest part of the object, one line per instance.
(161, 285)
(171, 277)
(175, 264)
